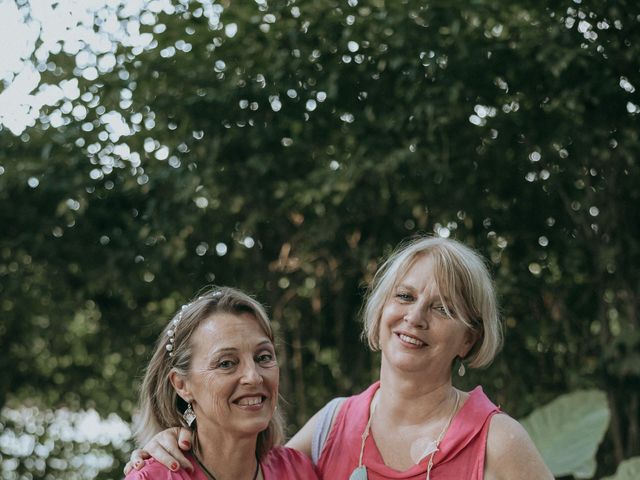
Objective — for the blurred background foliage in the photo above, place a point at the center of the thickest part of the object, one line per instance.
(284, 147)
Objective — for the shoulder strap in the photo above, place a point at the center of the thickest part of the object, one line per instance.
(323, 426)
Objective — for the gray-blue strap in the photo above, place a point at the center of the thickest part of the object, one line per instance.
(323, 426)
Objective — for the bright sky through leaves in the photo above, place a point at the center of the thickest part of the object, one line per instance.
(31, 31)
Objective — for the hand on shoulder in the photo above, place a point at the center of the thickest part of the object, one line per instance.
(154, 470)
(511, 454)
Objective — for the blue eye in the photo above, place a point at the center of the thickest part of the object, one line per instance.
(442, 310)
(265, 358)
(406, 297)
(225, 364)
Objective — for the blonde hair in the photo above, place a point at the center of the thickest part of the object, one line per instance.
(461, 276)
(160, 405)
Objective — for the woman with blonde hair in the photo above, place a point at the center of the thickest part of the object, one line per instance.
(430, 310)
(214, 372)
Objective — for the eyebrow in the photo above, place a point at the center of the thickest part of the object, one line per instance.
(233, 349)
(440, 296)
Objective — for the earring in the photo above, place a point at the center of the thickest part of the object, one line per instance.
(461, 369)
(189, 415)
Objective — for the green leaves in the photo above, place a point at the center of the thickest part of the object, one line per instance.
(627, 470)
(569, 430)
(285, 147)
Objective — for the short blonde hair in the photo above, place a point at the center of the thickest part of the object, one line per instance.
(461, 276)
(160, 405)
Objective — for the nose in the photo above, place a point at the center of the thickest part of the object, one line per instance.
(416, 316)
(250, 374)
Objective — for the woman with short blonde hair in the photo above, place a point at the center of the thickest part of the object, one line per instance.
(462, 277)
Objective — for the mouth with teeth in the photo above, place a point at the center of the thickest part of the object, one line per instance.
(410, 341)
(251, 403)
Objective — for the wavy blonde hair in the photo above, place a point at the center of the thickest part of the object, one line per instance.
(461, 275)
(160, 405)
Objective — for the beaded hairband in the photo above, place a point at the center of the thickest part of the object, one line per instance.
(171, 333)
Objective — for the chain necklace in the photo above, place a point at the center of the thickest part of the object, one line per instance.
(444, 430)
(212, 476)
(360, 473)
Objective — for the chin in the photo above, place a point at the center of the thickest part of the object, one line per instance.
(409, 365)
(255, 427)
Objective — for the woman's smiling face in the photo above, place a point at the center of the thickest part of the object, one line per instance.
(233, 380)
(419, 331)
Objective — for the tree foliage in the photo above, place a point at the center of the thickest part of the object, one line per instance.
(285, 147)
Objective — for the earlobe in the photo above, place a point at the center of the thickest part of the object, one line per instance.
(180, 385)
(470, 340)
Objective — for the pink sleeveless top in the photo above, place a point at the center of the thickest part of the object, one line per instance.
(461, 454)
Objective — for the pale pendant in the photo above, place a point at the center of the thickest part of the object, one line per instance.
(359, 473)
(431, 447)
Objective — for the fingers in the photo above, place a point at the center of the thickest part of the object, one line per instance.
(136, 461)
(164, 448)
(172, 459)
(184, 439)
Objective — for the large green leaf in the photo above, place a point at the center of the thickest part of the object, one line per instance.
(627, 470)
(568, 430)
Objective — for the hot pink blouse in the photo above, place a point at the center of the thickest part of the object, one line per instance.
(461, 454)
(281, 463)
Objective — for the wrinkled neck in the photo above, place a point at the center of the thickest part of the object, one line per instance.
(227, 456)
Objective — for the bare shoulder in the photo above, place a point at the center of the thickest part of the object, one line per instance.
(511, 454)
(303, 439)
(504, 430)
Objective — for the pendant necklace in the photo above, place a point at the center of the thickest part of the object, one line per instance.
(360, 473)
(212, 476)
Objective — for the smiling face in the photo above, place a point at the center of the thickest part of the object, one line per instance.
(233, 380)
(418, 329)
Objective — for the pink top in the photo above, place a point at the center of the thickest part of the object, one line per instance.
(461, 454)
(281, 463)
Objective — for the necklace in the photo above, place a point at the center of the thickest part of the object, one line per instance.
(212, 476)
(360, 473)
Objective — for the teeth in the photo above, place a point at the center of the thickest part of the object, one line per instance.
(248, 401)
(406, 338)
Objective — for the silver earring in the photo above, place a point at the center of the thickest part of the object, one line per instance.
(461, 369)
(189, 415)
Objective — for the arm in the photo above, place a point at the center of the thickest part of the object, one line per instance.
(511, 454)
(312, 436)
(301, 441)
(166, 448)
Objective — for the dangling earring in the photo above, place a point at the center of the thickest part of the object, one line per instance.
(461, 369)
(189, 415)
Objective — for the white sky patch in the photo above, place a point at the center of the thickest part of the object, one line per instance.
(31, 33)
(16, 39)
(116, 125)
(16, 108)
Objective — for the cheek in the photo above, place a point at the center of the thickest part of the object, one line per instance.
(216, 387)
(389, 308)
(458, 336)
(272, 375)
(388, 314)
